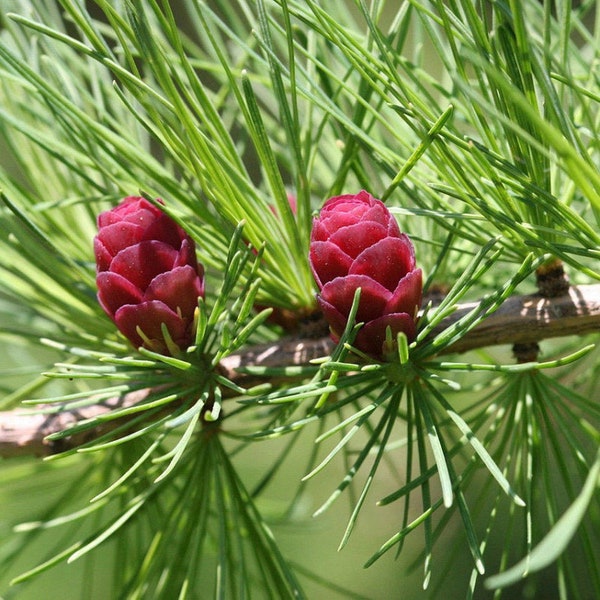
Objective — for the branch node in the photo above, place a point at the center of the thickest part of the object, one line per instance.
(552, 281)
(526, 352)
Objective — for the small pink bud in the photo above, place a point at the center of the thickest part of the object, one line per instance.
(147, 274)
(356, 242)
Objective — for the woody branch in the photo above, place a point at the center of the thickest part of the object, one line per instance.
(521, 319)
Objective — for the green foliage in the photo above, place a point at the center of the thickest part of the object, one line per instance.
(477, 123)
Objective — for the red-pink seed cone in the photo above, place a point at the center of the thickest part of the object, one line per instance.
(356, 242)
(147, 274)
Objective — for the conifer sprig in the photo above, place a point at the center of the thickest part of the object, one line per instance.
(476, 124)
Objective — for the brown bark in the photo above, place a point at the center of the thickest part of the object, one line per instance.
(520, 320)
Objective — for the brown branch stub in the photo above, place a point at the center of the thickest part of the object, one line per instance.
(525, 352)
(521, 320)
(552, 281)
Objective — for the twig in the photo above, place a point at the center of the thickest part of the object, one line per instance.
(521, 319)
(24, 433)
